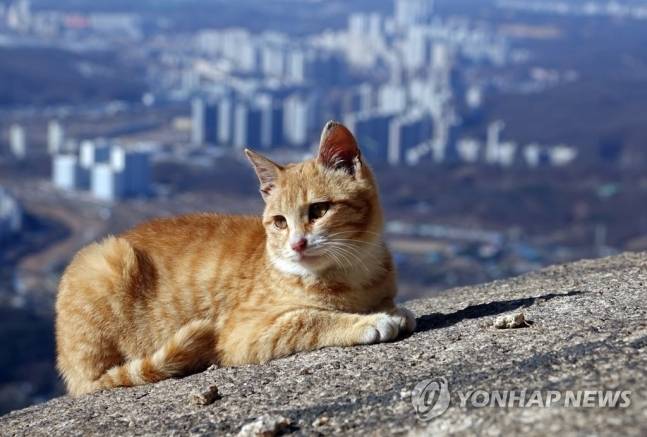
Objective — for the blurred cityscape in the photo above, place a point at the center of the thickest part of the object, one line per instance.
(506, 134)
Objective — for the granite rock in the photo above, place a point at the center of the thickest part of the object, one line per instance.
(588, 332)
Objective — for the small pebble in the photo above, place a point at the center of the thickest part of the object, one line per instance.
(511, 321)
(206, 397)
(265, 426)
(320, 421)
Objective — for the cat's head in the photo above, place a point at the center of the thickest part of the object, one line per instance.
(323, 212)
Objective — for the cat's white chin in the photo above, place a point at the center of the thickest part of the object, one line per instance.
(304, 267)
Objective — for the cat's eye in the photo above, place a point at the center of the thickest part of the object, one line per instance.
(318, 210)
(280, 222)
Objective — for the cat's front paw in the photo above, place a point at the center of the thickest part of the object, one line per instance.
(384, 327)
(409, 319)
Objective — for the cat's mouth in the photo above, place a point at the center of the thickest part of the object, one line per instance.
(309, 256)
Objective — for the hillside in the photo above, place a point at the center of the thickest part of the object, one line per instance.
(47, 76)
(587, 331)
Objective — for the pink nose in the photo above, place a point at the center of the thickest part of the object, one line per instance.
(300, 245)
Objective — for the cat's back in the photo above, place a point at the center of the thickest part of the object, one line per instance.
(195, 232)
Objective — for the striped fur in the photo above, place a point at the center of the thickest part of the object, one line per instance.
(189, 349)
(175, 295)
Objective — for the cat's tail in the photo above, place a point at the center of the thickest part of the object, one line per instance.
(189, 350)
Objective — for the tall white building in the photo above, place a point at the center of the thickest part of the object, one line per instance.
(493, 142)
(296, 121)
(107, 182)
(55, 137)
(198, 107)
(295, 68)
(10, 214)
(411, 12)
(67, 174)
(18, 141)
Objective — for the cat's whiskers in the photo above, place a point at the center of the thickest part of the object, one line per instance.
(336, 234)
(346, 250)
(344, 256)
(359, 252)
(335, 257)
(357, 231)
(338, 254)
(350, 241)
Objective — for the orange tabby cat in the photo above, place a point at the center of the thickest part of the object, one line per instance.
(173, 296)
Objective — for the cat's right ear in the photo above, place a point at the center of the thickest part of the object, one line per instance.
(266, 170)
(338, 148)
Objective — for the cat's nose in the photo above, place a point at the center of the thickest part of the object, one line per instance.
(300, 245)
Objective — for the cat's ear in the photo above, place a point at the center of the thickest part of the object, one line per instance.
(266, 170)
(338, 148)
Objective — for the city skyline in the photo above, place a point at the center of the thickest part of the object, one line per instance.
(504, 135)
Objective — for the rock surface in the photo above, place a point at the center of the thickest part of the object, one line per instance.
(588, 331)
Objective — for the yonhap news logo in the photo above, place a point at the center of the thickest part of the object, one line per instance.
(432, 397)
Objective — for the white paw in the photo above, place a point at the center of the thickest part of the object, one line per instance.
(410, 320)
(385, 327)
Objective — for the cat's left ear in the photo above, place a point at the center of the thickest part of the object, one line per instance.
(266, 170)
(338, 148)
